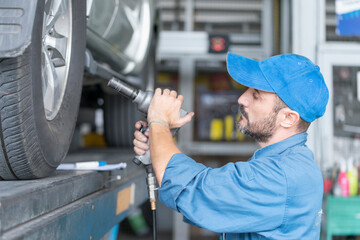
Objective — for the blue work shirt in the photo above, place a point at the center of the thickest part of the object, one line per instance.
(276, 194)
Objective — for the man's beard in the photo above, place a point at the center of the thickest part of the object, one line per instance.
(260, 130)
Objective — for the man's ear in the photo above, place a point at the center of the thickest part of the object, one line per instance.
(289, 118)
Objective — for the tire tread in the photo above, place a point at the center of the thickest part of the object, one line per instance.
(17, 122)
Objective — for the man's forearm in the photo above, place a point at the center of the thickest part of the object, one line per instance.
(162, 148)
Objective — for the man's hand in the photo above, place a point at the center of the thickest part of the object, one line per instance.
(165, 107)
(140, 140)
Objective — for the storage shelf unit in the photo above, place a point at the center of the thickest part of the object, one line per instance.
(248, 23)
(187, 143)
(220, 148)
(185, 26)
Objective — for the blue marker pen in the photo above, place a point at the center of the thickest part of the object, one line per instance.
(92, 164)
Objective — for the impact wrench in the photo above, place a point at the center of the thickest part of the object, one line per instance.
(142, 100)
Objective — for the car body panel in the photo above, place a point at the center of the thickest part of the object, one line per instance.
(16, 25)
(119, 32)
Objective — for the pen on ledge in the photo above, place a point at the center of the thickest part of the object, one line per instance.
(91, 164)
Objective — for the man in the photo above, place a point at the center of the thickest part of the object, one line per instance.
(277, 193)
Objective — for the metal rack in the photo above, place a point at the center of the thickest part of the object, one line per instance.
(184, 40)
(248, 23)
(241, 19)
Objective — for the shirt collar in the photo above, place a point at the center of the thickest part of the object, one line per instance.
(279, 147)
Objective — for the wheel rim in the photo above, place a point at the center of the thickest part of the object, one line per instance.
(137, 18)
(56, 52)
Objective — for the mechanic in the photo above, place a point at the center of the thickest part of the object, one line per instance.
(277, 193)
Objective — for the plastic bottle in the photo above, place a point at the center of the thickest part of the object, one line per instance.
(229, 127)
(240, 136)
(352, 175)
(216, 129)
(343, 180)
(336, 190)
(356, 168)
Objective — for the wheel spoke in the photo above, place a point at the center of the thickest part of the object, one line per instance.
(133, 16)
(58, 45)
(56, 9)
(51, 77)
(47, 7)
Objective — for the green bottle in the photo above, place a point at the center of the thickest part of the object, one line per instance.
(138, 223)
(353, 178)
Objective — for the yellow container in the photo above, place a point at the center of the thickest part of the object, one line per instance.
(229, 127)
(240, 136)
(216, 129)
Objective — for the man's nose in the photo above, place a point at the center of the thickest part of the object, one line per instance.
(243, 99)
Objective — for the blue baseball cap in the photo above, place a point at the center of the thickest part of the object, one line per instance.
(294, 78)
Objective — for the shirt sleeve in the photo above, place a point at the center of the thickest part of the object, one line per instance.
(238, 197)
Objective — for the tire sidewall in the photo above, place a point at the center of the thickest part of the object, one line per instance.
(55, 136)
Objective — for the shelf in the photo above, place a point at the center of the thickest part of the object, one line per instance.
(210, 5)
(219, 148)
(189, 65)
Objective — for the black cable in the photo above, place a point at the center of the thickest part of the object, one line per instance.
(154, 225)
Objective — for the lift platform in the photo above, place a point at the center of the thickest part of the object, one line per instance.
(73, 204)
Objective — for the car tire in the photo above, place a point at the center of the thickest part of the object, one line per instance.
(120, 115)
(32, 143)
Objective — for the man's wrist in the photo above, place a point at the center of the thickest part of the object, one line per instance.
(159, 123)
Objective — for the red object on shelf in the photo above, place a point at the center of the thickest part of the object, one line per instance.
(328, 183)
(220, 82)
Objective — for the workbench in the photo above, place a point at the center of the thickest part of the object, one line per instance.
(72, 204)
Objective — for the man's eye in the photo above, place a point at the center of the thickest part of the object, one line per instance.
(255, 96)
